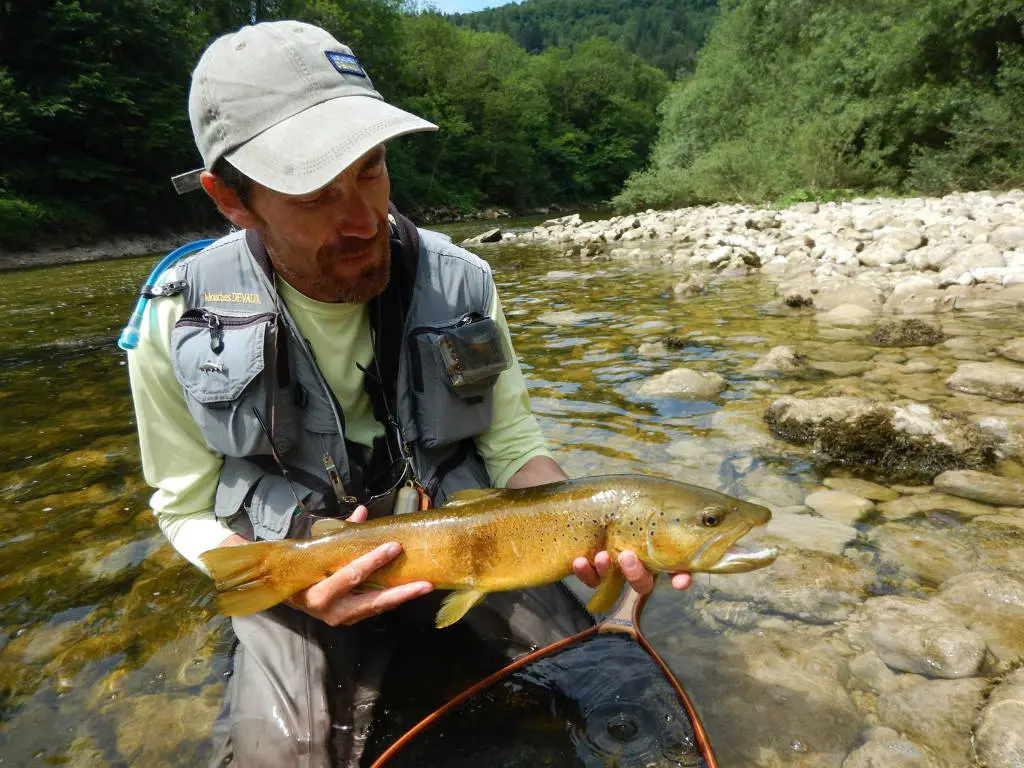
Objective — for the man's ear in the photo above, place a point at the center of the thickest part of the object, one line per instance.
(228, 202)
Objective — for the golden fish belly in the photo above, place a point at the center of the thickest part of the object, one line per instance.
(493, 552)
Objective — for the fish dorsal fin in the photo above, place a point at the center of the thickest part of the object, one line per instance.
(327, 526)
(457, 605)
(469, 495)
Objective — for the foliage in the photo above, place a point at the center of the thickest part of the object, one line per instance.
(665, 33)
(21, 221)
(93, 117)
(820, 95)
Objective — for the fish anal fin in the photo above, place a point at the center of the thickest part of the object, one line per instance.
(327, 526)
(457, 605)
(469, 495)
(607, 592)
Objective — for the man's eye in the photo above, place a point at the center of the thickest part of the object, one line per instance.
(372, 171)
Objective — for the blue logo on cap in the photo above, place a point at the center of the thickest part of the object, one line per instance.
(345, 63)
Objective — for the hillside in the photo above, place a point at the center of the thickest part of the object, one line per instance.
(665, 33)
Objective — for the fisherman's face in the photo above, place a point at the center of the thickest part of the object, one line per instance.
(332, 244)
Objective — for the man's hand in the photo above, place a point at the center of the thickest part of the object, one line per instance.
(334, 600)
(639, 578)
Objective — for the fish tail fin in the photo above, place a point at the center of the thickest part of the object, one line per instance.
(244, 580)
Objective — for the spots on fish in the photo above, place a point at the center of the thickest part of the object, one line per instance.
(483, 550)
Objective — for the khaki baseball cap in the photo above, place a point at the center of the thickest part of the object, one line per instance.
(289, 106)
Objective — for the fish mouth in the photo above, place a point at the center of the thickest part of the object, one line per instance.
(737, 559)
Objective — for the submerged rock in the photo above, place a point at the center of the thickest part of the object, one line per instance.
(909, 443)
(885, 748)
(684, 382)
(983, 487)
(907, 333)
(992, 604)
(938, 714)
(999, 735)
(925, 637)
(999, 381)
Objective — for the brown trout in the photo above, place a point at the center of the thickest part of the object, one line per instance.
(491, 540)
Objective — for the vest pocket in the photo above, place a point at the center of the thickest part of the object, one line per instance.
(268, 500)
(446, 413)
(218, 359)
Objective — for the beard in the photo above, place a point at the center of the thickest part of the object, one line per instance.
(370, 281)
(330, 277)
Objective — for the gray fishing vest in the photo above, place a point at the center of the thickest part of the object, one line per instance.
(254, 389)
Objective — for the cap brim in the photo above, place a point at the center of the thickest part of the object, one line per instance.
(308, 150)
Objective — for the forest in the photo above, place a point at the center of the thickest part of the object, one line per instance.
(650, 103)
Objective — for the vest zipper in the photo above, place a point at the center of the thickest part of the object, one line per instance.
(203, 318)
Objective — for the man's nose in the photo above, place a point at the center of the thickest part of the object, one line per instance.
(356, 217)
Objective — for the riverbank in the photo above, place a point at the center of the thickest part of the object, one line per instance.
(124, 247)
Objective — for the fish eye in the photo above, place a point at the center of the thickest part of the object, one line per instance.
(709, 518)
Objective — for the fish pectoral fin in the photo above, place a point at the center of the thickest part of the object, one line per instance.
(327, 526)
(608, 591)
(469, 495)
(457, 605)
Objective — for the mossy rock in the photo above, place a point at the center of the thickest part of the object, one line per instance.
(909, 332)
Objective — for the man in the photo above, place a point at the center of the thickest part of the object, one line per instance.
(294, 370)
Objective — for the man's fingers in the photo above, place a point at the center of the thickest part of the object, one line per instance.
(345, 579)
(682, 580)
(355, 608)
(639, 578)
(358, 515)
(591, 574)
(585, 572)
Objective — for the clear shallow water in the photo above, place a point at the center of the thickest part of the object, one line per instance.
(109, 651)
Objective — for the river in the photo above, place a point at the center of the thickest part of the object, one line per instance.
(110, 653)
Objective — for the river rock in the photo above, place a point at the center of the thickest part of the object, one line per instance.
(938, 714)
(933, 550)
(848, 314)
(694, 285)
(805, 531)
(781, 359)
(813, 587)
(684, 382)
(864, 488)
(1013, 350)
(772, 697)
(998, 381)
(567, 317)
(885, 748)
(839, 505)
(930, 502)
(982, 486)
(1007, 237)
(905, 442)
(999, 734)
(921, 636)
(652, 349)
(991, 604)
(869, 674)
(490, 236)
(909, 332)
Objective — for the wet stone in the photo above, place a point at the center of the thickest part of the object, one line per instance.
(684, 382)
(920, 636)
(839, 505)
(982, 486)
(864, 488)
(998, 381)
(930, 502)
(999, 734)
(885, 748)
(992, 605)
(938, 714)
